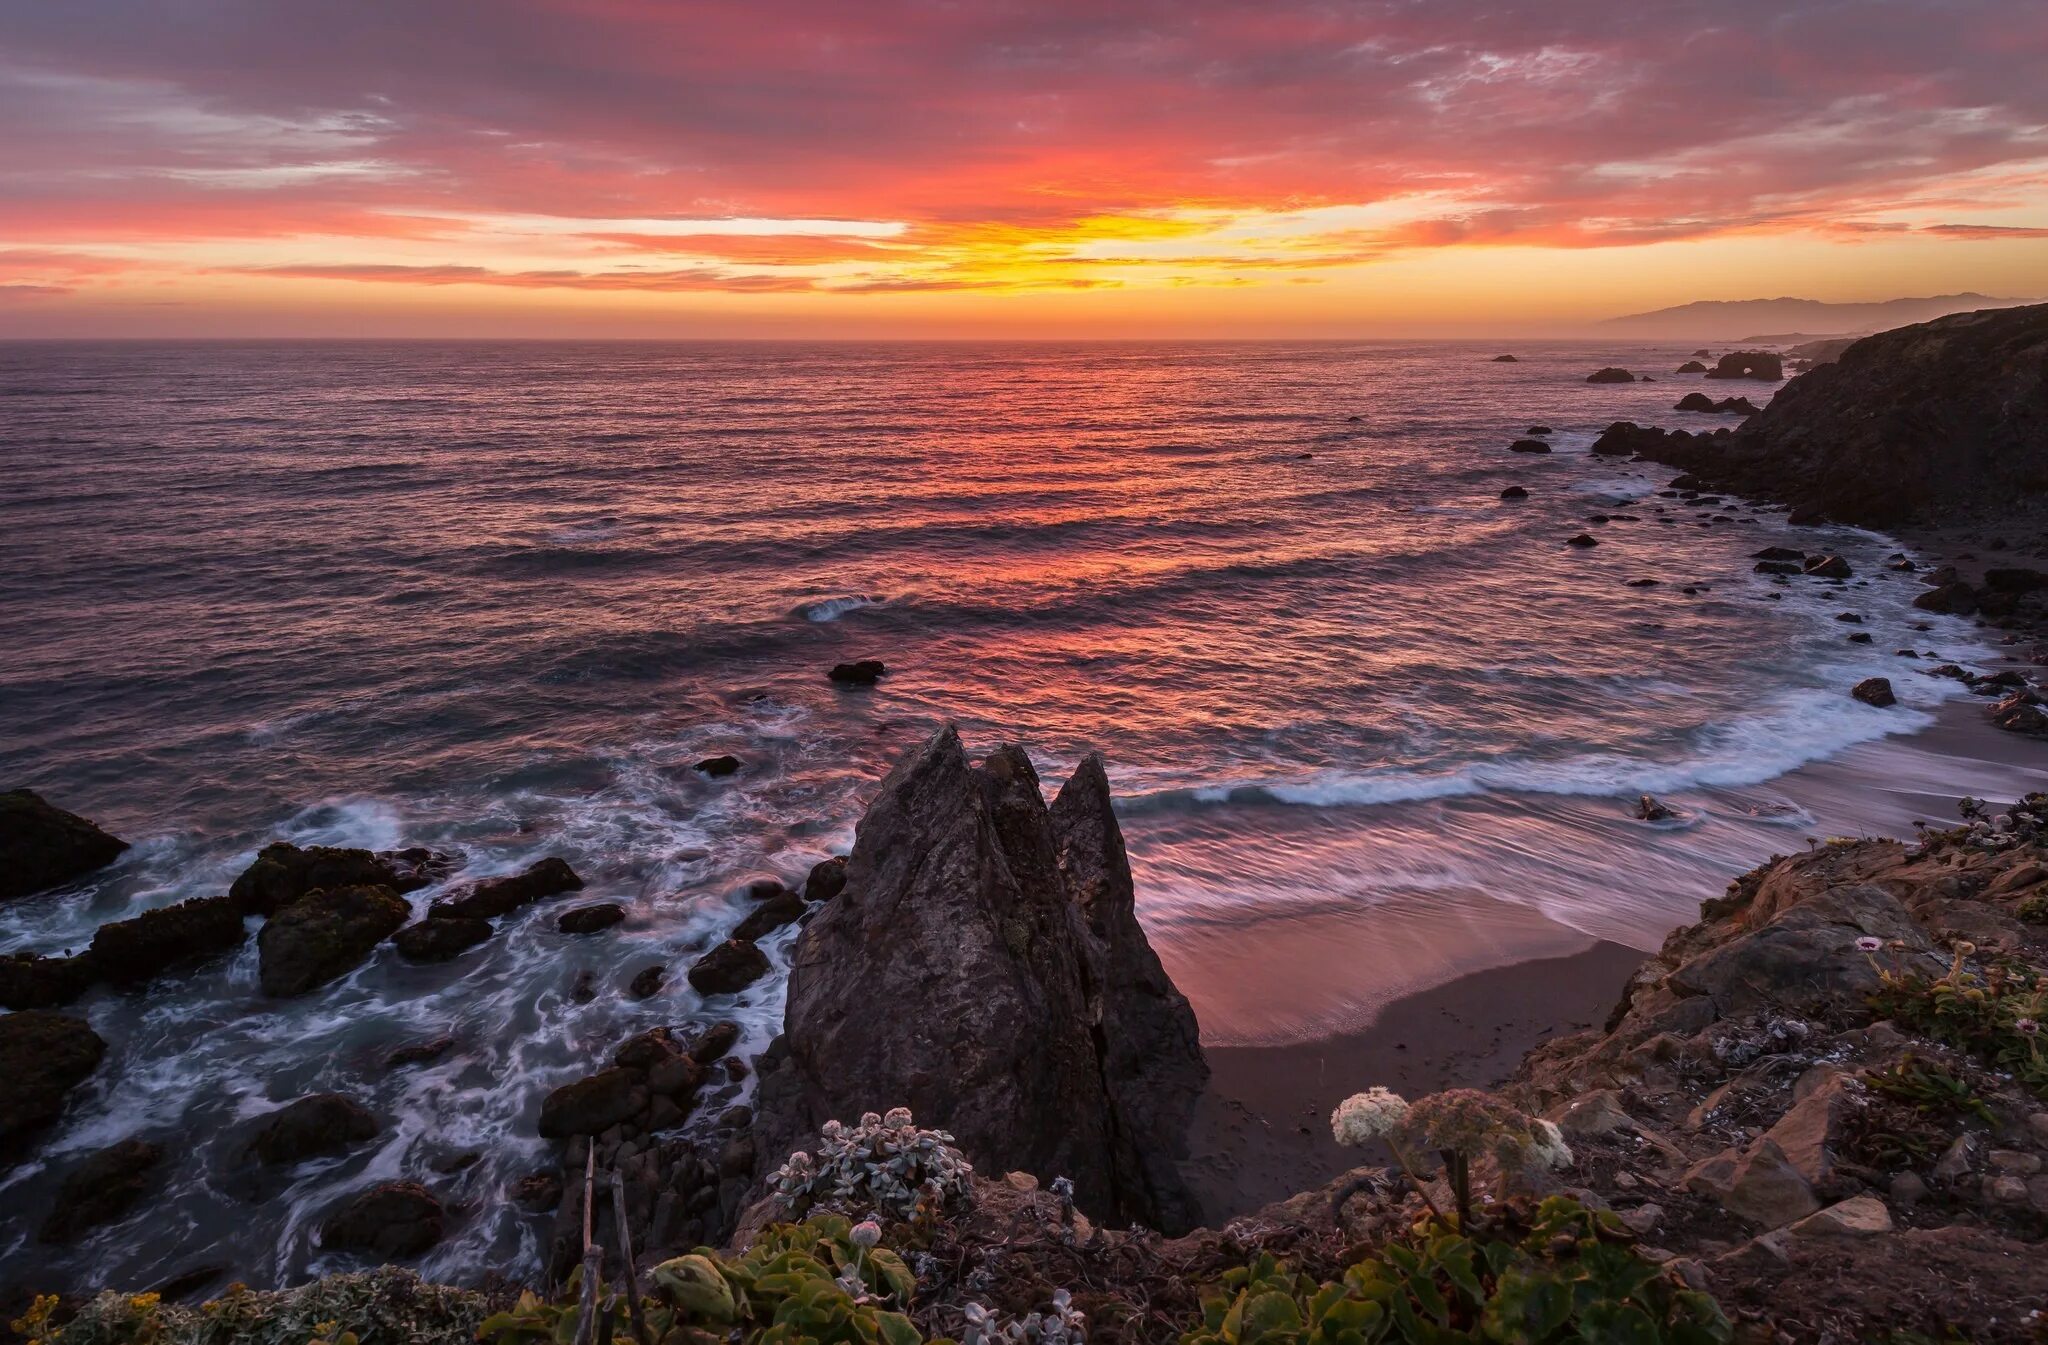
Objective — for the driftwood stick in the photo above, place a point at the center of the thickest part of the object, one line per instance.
(593, 1255)
(626, 1257)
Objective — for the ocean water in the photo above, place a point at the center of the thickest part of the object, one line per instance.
(498, 599)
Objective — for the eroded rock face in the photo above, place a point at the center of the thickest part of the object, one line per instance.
(984, 967)
(324, 935)
(310, 1127)
(41, 845)
(127, 951)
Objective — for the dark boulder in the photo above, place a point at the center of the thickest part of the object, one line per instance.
(718, 766)
(324, 935)
(1514, 493)
(1956, 598)
(1611, 375)
(42, 846)
(1620, 439)
(1538, 429)
(1505, 359)
(859, 673)
(647, 982)
(1778, 553)
(43, 1056)
(1874, 691)
(1528, 446)
(314, 1126)
(784, 908)
(32, 981)
(101, 1189)
(1827, 567)
(129, 951)
(1736, 406)
(730, 967)
(1649, 809)
(1584, 539)
(1757, 364)
(440, 938)
(594, 1104)
(1024, 1011)
(826, 880)
(391, 1221)
(494, 897)
(1694, 401)
(282, 873)
(1690, 367)
(714, 1041)
(590, 919)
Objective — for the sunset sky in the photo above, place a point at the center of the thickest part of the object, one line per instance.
(868, 167)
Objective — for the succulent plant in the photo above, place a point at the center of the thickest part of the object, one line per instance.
(885, 1164)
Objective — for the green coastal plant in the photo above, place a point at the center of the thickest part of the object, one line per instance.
(1994, 1014)
(1559, 1272)
(825, 1281)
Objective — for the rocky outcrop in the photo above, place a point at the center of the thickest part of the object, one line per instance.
(43, 1056)
(1610, 375)
(1758, 364)
(1928, 424)
(324, 935)
(33, 981)
(283, 872)
(440, 938)
(983, 967)
(41, 845)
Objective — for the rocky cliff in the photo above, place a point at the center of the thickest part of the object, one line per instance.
(984, 967)
(1942, 422)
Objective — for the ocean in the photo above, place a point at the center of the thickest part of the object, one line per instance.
(1370, 725)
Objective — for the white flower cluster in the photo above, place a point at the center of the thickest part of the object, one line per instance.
(885, 1164)
(1546, 1145)
(2025, 821)
(1064, 1324)
(1364, 1117)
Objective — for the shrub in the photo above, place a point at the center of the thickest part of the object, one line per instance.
(1995, 1014)
(1562, 1273)
(885, 1164)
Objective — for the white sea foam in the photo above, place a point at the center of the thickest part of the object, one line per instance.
(831, 609)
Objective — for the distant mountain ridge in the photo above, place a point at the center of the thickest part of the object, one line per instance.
(1733, 320)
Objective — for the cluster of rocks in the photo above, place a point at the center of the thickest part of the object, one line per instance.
(1758, 364)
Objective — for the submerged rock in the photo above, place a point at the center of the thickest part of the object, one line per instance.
(43, 1056)
(730, 967)
(784, 908)
(390, 1221)
(1611, 375)
(1690, 367)
(718, 766)
(101, 1189)
(1827, 567)
(1505, 359)
(590, 919)
(1584, 539)
(983, 968)
(127, 951)
(42, 846)
(1514, 493)
(313, 1126)
(1528, 446)
(859, 673)
(325, 935)
(494, 897)
(440, 938)
(1648, 809)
